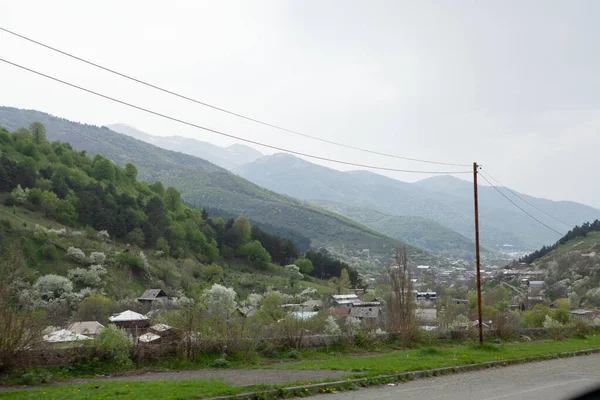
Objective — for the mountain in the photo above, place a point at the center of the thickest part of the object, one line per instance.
(293, 176)
(204, 184)
(226, 157)
(444, 199)
(495, 209)
(418, 231)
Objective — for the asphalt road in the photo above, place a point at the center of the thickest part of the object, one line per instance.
(547, 380)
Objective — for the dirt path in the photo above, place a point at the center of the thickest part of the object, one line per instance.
(238, 377)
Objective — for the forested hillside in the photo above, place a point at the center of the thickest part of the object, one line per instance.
(293, 176)
(572, 265)
(418, 231)
(206, 185)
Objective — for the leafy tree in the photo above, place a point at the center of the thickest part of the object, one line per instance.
(272, 306)
(305, 265)
(563, 303)
(212, 273)
(96, 308)
(130, 260)
(137, 237)
(38, 132)
(172, 198)
(158, 188)
(103, 169)
(163, 245)
(242, 228)
(220, 300)
(536, 317)
(256, 254)
(131, 171)
(342, 284)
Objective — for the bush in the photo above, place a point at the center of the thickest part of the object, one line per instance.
(114, 345)
(77, 255)
(220, 363)
(97, 258)
(50, 252)
(130, 260)
(91, 277)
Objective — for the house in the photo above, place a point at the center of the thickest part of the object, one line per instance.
(245, 311)
(89, 328)
(345, 300)
(130, 320)
(583, 314)
(312, 305)
(426, 296)
(535, 287)
(64, 337)
(365, 312)
(152, 295)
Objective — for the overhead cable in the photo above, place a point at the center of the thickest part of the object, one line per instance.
(165, 116)
(258, 121)
(520, 208)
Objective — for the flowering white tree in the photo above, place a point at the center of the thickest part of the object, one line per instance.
(91, 276)
(53, 286)
(77, 255)
(97, 258)
(220, 300)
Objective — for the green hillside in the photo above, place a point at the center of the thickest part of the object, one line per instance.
(295, 177)
(88, 225)
(418, 231)
(572, 265)
(204, 184)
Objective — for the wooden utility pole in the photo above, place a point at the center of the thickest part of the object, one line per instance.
(479, 311)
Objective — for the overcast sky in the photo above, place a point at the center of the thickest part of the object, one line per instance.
(514, 85)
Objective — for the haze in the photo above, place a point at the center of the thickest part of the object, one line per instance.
(513, 85)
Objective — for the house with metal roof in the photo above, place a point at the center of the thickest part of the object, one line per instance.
(152, 295)
(89, 328)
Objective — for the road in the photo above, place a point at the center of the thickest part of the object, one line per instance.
(547, 380)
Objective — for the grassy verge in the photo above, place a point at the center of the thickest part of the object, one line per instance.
(370, 366)
(175, 390)
(437, 357)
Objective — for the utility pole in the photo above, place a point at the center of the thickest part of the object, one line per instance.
(475, 167)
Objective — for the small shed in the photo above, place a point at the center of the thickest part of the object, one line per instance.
(245, 311)
(149, 337)
(152, 295)
(64, 337)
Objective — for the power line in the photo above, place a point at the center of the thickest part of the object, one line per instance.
(524, 200)
(224, 110)
(223, 133)
(519, 207)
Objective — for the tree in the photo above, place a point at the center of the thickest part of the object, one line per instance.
(293, 273)
(536, 317)
(272, 306)
(256, 254)
(53, 286)
(212, 273)
(305, 265)
(131, 171)
(137, 237)
(38, 132)
(342, 284)
(401, 302)
(562, 303)
(241, 227)
(95, 308)
(158, 188)
(220, 300)
(172, 198)
(103, 169)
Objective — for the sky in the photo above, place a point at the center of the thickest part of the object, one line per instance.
(513, 85)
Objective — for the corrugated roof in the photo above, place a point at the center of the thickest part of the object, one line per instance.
(127, 316)
(160, 327)
(152, 294)
(64, 336)
(364, 312)
(148, 337)
(86, 327)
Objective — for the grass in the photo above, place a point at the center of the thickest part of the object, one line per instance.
(357, 366)
(152, 390)
(429, 358)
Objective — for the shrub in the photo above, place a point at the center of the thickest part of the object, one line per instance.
(53, 286)
(133, 261)
(49, 251)
(555, 328)
(91, 276)
(97, 258)
(114, 345)
(220, 363)
(332, 327)
(77, 255)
